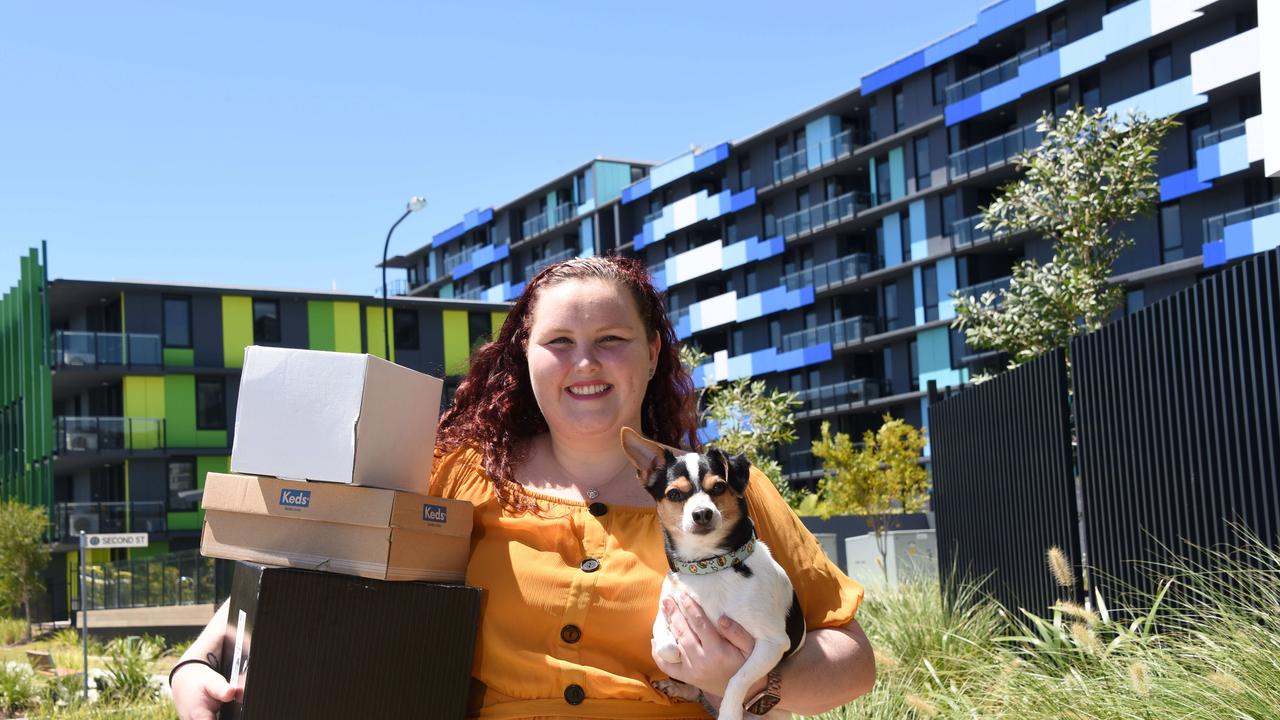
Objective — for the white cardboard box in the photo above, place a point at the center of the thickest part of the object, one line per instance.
(335, 417)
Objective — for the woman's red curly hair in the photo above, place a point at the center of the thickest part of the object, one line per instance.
(494, 410)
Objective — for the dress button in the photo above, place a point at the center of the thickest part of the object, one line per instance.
(574, 694)
(570, 634)
(590, 565)
(598, 508)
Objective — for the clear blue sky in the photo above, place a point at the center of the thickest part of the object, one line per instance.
(273, 143)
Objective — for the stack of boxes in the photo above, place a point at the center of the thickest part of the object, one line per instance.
(326, 503)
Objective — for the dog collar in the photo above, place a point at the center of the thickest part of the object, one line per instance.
(706, 566)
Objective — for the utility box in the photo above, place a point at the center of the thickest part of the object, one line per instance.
(912, 556)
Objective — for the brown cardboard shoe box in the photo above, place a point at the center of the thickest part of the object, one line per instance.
(302, 644)
(369, 532)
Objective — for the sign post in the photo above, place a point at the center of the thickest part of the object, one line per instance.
(98, 541)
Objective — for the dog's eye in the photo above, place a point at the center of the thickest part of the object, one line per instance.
(675, 495)
(718, 488)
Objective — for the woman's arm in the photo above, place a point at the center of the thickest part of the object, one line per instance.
(834, 666)
(198, 690)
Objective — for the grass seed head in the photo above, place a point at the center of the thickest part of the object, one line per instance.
(1061, 568)
(1138, 679)
(1226, 682)
(923, 707)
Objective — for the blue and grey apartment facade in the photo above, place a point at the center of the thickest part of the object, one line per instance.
(823, 254)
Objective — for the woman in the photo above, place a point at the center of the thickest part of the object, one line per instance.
(566, 542)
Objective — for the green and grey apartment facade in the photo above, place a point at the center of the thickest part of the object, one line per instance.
(118, 397)
(822, 254)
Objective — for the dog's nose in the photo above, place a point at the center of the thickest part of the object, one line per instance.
(702, 517)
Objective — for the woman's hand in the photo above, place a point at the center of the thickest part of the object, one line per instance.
(711, 651)
(199, 691)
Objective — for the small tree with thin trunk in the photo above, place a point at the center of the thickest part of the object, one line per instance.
(880, 480)
(23, 556)
(1092, 171)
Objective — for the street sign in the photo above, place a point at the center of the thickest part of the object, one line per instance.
(98, 541)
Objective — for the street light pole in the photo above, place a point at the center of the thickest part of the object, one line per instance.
(415, 203)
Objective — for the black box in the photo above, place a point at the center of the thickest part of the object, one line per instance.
(305, 644)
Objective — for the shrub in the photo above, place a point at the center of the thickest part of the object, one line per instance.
(180, 647)
(18, 691)
(12, 631)
(127, 678)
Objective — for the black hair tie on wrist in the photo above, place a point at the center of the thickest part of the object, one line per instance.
(198, 661)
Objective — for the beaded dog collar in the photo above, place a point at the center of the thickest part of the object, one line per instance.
(715, 564)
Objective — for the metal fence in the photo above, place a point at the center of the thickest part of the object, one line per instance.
(1177, 419)
(178, 578)
(1003, 491)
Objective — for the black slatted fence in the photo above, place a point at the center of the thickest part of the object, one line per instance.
(1178, 411)
(1003, 491)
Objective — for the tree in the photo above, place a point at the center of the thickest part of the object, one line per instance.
(750, 419)
(1091, 172)
(23, 556)
(880, 480)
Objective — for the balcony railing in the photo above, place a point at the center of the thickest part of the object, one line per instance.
(178, 578)
(544, 221)
(78, 434)
(1215, 228)
(966, 233)
(994, 152)
(841, 393)
(835, 272)
(458, 258)
(70, 518)
(532, 268)
(850, 330)
(1219, 136)
(471, 294)
(73, 348)
(399, 286)
(994, 286)
(995, 74)
(835, 210)
(650, 217)
(830, 150)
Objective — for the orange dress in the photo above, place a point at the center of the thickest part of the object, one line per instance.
(570, 595)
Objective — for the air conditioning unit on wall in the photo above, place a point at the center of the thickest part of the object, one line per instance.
(82, 523)
(79, 440)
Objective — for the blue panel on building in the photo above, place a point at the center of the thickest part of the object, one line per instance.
(1180, 185)
(1238, 239)
(706, 159)
(963, 110)
(471, 220)
(1215, 253)
(640, 189)
(886, 76)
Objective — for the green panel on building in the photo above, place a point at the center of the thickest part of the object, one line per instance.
(495, 320)
(320, 324)
(179, 357)
(144, 409)
(205, 464)
(346, 327)
(180, 410)
(457, 342)
(237, 329)
(26, 388)
(374, 323)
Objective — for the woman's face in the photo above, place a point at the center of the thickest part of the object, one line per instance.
(589, 359)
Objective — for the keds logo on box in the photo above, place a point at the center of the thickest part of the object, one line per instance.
(295, 498)
(435, 513)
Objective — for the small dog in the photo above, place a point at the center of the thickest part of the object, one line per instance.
(716, 558)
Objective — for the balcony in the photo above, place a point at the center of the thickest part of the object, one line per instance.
(458, 258)
(841, 332)
(72, 348)
(992, 286)
(396, 287)
(995, 74)
(70, 518)
(828, 398)
(1220, 136)
(77, 434)
(830, 274)
(817, 217)
(966, 233)
(178, 578)
(993, 153)
(534, 267)
(1215, 227)
(830, 150)
(552, 217)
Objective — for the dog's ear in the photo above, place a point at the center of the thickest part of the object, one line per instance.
(644, 453)
(739, 471)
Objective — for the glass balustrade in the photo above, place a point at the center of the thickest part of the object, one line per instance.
(994, 152)
(977, 291)
(552, 217)
(966, 233)
(824, 152)
(994, 75)
(1220, 136)
(69, 518)
(841, 393)
(532, 268)
(835, 272)
(72, 348)
(77, 434)
(835, 210)
(1215, 228)
(850, 330)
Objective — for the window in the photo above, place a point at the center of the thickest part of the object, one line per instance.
(883, 185)
(924, 171)
(889, 301)
(1198, 126)
(781, 147)
(1134, 300)
(412, 276)
(904, 226)
(266, 321)
(1058, 29)
(736, 342)
(802, 199)
(775, 333)
(730, 232)
(873, 122)
(929, 279)
(405, 328)
(1061, 99)
(177, 322)
(1090, 91)
(749, 278)
(1170, 232)
(950, 212)
(182, 477)
(211, 403)
(913, 365)
(479, 327)
(744, 173)
(899, 109)
(1161, 66)
(770, 222)
(941, 79)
